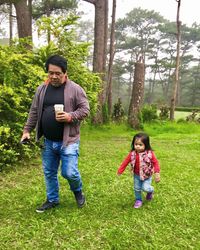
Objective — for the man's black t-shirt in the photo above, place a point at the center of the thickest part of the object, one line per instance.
(52, 129)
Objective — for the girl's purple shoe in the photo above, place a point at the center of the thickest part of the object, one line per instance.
(149, 196)
(137, 204)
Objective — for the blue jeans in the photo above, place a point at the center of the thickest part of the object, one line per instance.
(54, 153)
(142, 185)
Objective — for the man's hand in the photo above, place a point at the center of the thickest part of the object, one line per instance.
(26, 136)
(63, 117)
(157, 177)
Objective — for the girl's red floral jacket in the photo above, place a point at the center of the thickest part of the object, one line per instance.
(136, 167)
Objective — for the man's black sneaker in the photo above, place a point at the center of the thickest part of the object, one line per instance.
(47, 205)
(80, 198)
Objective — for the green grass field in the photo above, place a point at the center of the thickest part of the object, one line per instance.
(179, 114)
(108, 221)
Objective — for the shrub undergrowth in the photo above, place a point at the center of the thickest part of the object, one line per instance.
(22, 71)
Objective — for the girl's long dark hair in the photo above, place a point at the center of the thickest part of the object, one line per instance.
(144, 138)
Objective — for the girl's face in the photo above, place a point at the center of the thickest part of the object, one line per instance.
(139, 146)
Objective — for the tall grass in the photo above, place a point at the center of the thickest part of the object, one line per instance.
(109, 221)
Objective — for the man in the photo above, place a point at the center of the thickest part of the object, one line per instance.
(61, 130)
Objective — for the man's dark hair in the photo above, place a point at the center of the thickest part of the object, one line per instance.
(58, 61)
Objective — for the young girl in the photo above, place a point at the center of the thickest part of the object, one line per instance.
(143, 164)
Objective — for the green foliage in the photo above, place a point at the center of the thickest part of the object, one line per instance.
(106, 118)
(149, 113)
(181, 120)
(45, 7)
(64, 42)
(194, 117)
(8, 154)
(164, 112)
(147, 31)
(187, 109)
(41, 54)
(18, 80)
(118, 111)
(22, 71)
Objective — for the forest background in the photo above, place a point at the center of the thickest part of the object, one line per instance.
(102, 58)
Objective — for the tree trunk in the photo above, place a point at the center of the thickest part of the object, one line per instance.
(24, 24)
(110, 66)
(10, 24)
(137, 96)
(194, 99)
(100, 50)
(100, 36)
(174, 95)
(48, 15)
(30, 8)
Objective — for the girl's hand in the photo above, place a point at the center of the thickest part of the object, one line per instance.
(131, 170)
(157, 177)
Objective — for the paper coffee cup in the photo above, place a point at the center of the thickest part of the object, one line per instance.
(58, 108)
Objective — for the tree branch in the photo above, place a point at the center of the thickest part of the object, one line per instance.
(90, 1)
(6, 1)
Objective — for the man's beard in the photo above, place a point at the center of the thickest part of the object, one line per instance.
(56, 84)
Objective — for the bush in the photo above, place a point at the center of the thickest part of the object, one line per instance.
(194, 117)
(8, 155)
(18, 82)
(118, 111)
(106, 118)
(164, 112)
(181, 120)
(187, 109)
(65, 43)
(21, 72)
(149, 113)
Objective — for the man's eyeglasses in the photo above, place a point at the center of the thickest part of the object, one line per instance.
(51, 73)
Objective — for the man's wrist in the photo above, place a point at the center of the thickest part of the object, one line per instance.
(69, 117)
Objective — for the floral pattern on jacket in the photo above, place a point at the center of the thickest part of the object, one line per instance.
(146, 166)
